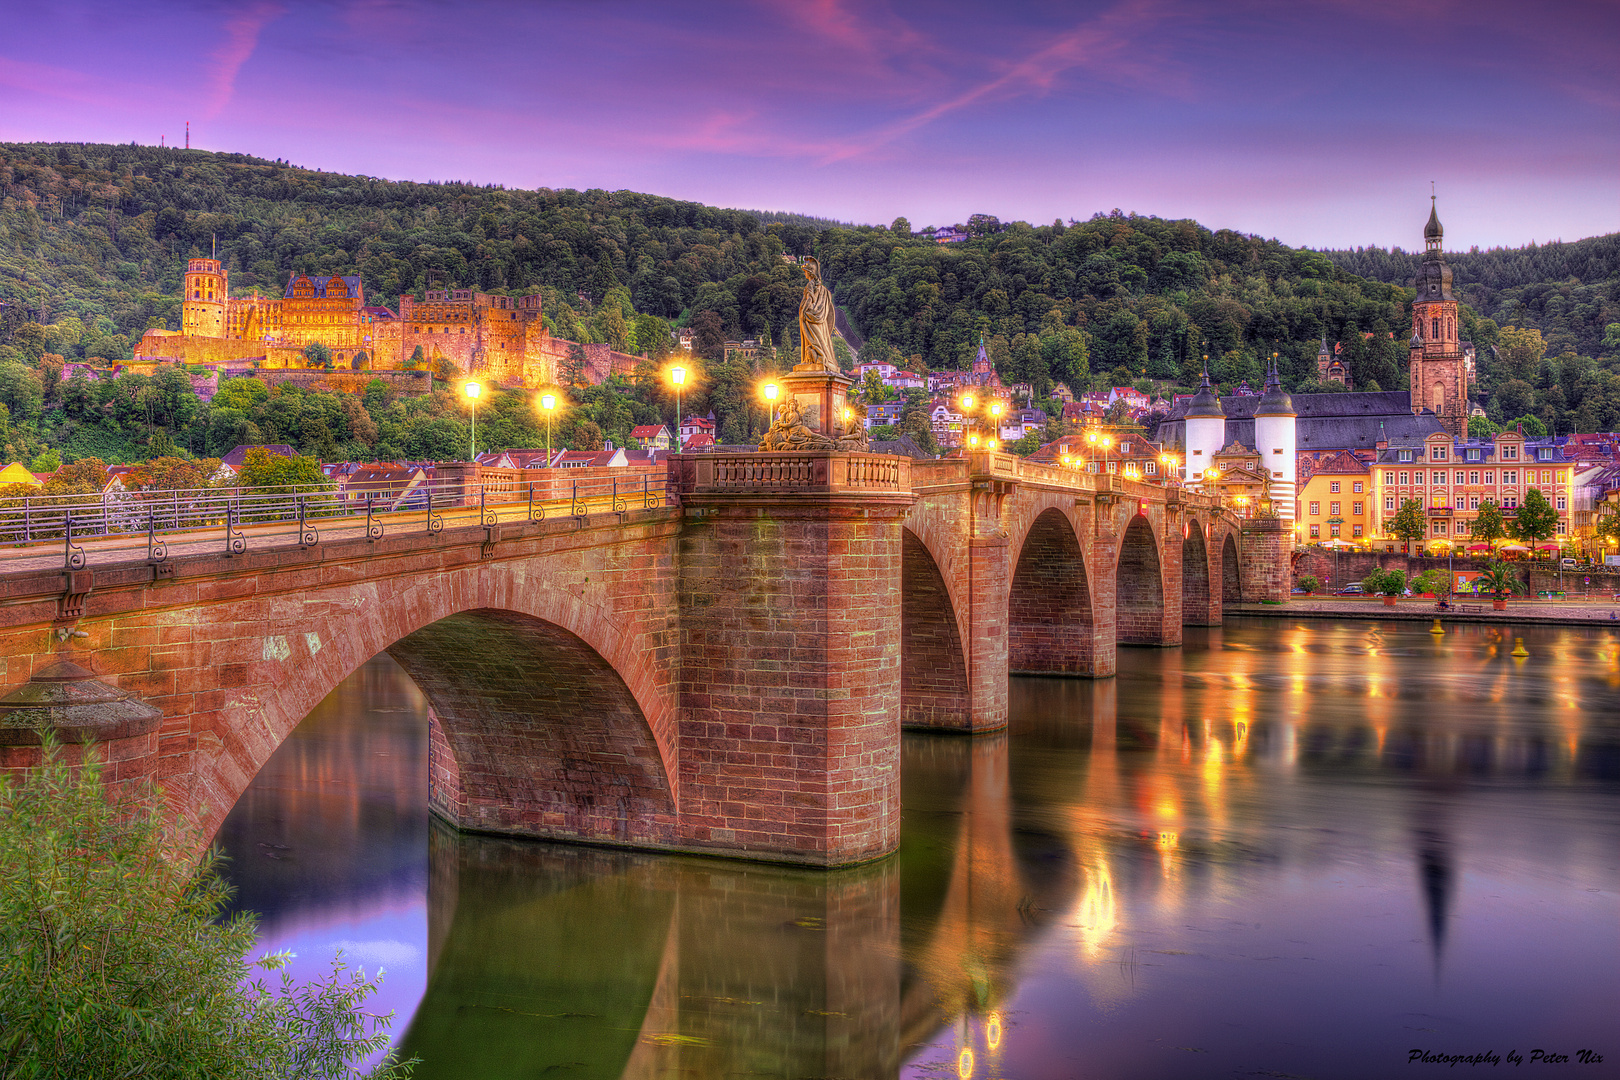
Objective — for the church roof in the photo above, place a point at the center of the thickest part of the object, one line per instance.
(1338, 421)
(1433, 231)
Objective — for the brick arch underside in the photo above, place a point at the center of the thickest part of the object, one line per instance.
(1194, 577)
(1231, 579)
(1050, 624)
(1139, 602)
(535, 733)
(933, 673)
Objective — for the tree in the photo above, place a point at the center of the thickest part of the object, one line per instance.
(1532, 425)
(573, 370)
(318, 355)
(1310, 583)
(1499, 579)
(708, 336)
(1480, 427)
(417, 360)
(1520, 351)
(1409, 523)
(174, 474)
(901, 227)
(1387, 582)
(1433, 581)
(1489, 526)
(262, 469)
(1536, 519)
(119, 963)
(1607, 527)
(873, 390)
(915, 421)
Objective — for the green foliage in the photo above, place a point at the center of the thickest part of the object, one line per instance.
(1499, 579)
(1489, 526)
(118, 960)
(1310, 583)
(262, 469)
(318, 355)
(1607, 526)
(1536, 519)
(1386, 582)
(1434, 581)
(48, 461)
(1409, 523)
(1480, 427)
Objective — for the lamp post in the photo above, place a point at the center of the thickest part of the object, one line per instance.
(548, 403)
(472, 390)
(995, 418)
(772, 391)
(967, 402)
(677, 375)
(1169, 461)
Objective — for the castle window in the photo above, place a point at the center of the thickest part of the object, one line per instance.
(1434, 328)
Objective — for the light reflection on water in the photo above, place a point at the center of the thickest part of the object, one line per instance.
(1281, 849)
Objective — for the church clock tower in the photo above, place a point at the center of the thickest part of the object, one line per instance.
(1438, 373)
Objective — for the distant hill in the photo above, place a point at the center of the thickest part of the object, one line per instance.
(1568, 291)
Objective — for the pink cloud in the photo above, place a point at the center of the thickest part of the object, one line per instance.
(241, 38)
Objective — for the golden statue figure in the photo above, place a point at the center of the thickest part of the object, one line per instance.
(815, 323)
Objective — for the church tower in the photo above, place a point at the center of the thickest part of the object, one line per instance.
(202, 307)
(1438, 373)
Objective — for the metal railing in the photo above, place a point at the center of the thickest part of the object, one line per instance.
(121, 526)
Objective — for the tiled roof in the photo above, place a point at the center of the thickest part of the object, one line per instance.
(351, 282)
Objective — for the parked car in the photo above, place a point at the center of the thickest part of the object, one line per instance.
(1570, 564)
(1352, 589)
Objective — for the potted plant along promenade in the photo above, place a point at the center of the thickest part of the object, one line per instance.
(1501, 582)
(1309, 583)
(1391, 583)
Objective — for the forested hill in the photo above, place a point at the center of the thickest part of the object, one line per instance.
(1570, 292)
(93, 240)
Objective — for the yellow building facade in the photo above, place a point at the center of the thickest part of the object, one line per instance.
(1335, 502)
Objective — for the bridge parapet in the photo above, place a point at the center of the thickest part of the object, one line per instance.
(789, 472)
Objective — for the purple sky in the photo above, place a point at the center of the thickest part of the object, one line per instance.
(1319, 123)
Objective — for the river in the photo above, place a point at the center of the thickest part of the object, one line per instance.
(1302, 849)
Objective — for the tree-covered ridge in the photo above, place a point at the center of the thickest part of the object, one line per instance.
(100, 234)
(1148, 297)
(1570, 292)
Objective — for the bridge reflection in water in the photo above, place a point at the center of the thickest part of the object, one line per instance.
(1302, 849)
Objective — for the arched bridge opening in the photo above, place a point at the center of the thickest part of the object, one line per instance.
(1231, 572)
(1196, 606)
(1139, 605)
(933, 668)
(1051, 628)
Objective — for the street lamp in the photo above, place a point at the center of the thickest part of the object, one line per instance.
(677, 375)
(473, 390)
(995, 416)
(772, 391)
(548, 404)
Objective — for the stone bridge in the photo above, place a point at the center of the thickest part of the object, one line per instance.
(726, 674)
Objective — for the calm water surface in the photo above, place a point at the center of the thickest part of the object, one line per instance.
(1285, 849)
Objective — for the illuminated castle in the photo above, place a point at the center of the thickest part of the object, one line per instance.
(500, 338)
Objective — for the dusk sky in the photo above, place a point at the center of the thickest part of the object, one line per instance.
(1320, 124)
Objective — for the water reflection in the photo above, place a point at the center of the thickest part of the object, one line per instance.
(1285, 849)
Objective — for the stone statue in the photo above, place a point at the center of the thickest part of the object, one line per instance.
(854, 438)
(789, 431)
(815, 323)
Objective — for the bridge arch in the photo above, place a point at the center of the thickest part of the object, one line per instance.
(1196, 600)
(933, 667)
(1050, 615)
(578, 732)
(1231, 572)
(1139, 599)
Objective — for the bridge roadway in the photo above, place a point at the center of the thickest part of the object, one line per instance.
(726, 674)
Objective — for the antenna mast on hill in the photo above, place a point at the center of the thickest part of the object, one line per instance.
(188, 134)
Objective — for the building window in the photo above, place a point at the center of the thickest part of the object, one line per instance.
(1358, 508)
(1439, 479)
(1403, 455)
(1473, 478)
(1561, 528)
(1459, 502)
(1510, 476)
(1405, 479)
(1563, 503)
(1113, 466)
(1389, 503)
(1438, 453)
(1490, 478)
(1356, 487)
(1389, 477)
(1458, 478)
(1473, 502)
(1153, 468)
(1417, 478)
(1333, 530)
(1473, 455)
(1333, 487)
(1316, 509)
(1316, 532)
(1439, 528)
(1355, 531)
(1333, 508)
(1510, 453)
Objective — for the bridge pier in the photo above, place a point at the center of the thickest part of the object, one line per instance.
(789, 570)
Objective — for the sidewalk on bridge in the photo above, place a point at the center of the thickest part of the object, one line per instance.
(1573, 612)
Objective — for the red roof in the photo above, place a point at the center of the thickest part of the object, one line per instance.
(699, 441)
(647, 431)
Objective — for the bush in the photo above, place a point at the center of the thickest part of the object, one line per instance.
(116, 961)
(1310, 583)
(1387, 582)
(1434, 581)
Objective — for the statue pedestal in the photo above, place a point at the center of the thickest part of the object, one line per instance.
(820, 395)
